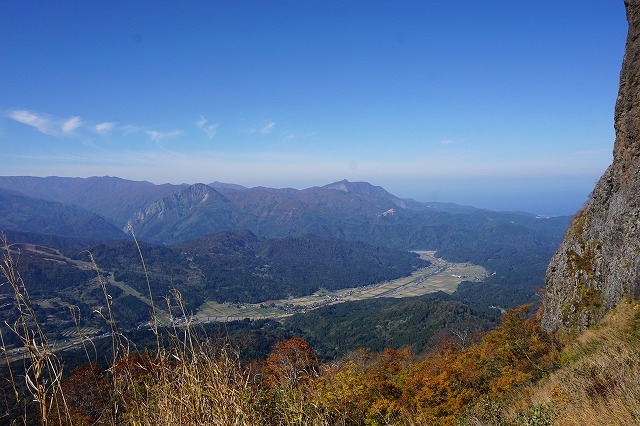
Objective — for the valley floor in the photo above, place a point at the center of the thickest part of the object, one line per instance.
(439, 276)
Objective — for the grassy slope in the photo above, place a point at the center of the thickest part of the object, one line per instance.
(598, 382)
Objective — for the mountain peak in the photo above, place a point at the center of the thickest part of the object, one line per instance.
(194, 204)
(365, 188)
(223, 185)
(358, 188)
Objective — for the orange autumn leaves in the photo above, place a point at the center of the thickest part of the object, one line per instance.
(291, 363)
(393, 387)
(437, 388)
(445, 383)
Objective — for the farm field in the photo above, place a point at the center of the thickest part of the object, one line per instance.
(440, 276)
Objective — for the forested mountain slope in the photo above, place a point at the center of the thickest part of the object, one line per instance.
(514, 246)
(19, 212)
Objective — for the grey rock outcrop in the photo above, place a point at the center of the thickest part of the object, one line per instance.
(598, 264)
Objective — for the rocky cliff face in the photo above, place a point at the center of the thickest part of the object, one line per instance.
(598, 263)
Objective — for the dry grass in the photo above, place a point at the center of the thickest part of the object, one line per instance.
(601, 383)
(598, 383)
(194, 382)
(188, 385)
(42, 370)
(190, 381)
(186, 381)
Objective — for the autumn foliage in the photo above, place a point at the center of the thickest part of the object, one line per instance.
(291, 363)
(206, 386)
(445, 383)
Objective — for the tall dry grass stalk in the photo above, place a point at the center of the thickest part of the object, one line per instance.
(203, 386)
(154, 316)
(195, 381)
(42, 369)
(188, 380)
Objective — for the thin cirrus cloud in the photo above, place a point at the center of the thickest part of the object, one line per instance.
(40, 122)
(70, 125)
(288, 136)
(158, 137)
(268, 127)
(45, 123)
(60, 127)
(104, 128)
(131, 129)
(264, 130)
(209, 129)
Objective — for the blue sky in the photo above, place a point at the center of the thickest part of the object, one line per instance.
(501, 104)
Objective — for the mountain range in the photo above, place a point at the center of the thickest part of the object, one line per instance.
(23, 213)
(514, 246)
(173, 213)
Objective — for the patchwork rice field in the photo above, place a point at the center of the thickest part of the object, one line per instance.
(440, 276)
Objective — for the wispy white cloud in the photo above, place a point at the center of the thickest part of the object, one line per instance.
(45, 123)
(131, 129)
(40, 122)
(268, 127)
(104, 128)
(70, 125)
(288, 136)
(446, 142)
(209, 129)
(158, 137)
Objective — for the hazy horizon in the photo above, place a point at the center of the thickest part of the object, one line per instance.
(500, 105)
(555, 203)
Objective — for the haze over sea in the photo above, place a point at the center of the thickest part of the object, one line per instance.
(502, 105)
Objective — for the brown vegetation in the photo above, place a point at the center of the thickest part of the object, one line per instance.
(515, 374)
